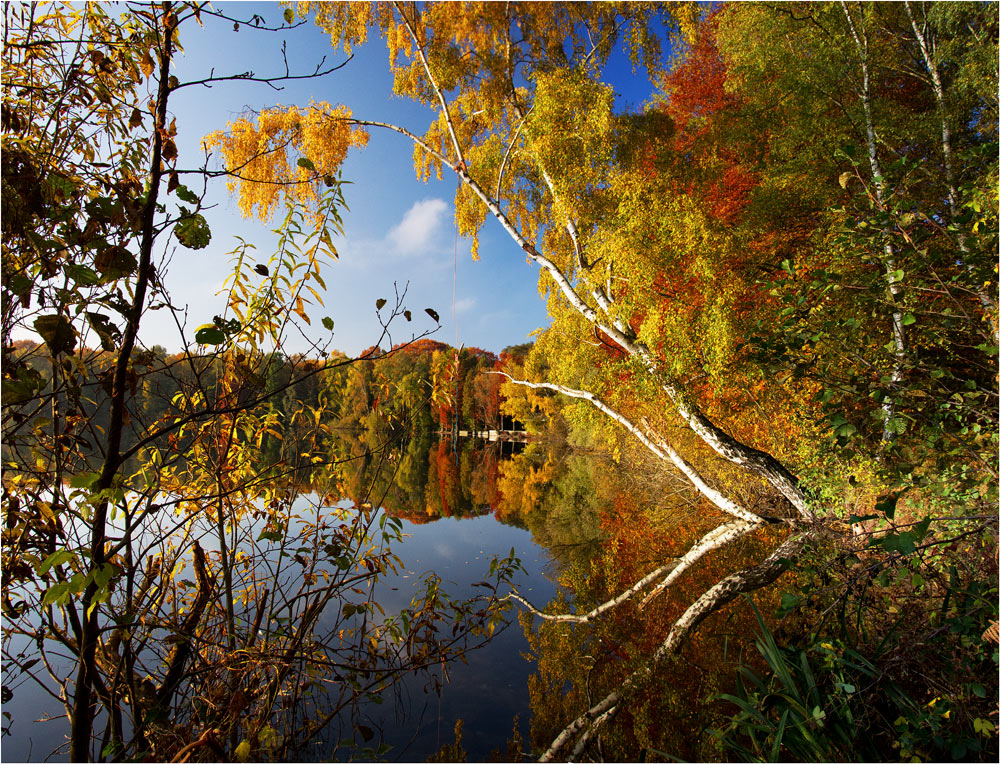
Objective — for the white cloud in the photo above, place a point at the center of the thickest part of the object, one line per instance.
(466, 303)
(418, 226)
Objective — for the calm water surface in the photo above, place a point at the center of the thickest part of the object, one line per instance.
(487, 692)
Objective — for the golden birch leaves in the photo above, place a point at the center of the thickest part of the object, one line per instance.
(285, 152)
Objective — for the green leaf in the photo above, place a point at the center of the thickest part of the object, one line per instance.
(904, 543)
(887, 506)
(860, 518)
(57, 332)
(193, 232)
(82, 275)
(19, 285)
(209, 334)
(921, 528)
(107, 331)
(57, 594)
(908, 319)
(54, 560)
(104, 574)
(846, 430)
(896, 276)
(242, 752)
(788, 603)
(83, 480)
(23, 386)
(306, 163)
(379, 303)
(328, 323)
(185, 194)
(289, 15)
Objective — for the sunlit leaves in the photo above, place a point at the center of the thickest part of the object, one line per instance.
(285, 152)
(291, 277)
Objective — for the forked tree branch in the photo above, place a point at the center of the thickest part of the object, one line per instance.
(714, 539)
(719, 595)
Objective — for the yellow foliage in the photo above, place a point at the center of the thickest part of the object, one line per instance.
(257, 153)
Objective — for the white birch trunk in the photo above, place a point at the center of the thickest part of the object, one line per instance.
(719, 595)
(949, 167)
(889, 261)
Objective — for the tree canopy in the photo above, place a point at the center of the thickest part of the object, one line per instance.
(778, 277)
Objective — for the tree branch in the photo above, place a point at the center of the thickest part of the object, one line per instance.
(714, 539)
(719, 595)
(654, 443)
(437, 89)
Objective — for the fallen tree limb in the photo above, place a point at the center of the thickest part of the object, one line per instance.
(714, 539)
(712, 600)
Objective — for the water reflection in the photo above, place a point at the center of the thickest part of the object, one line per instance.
(567, 518)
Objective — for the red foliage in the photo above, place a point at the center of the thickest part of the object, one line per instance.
(486, 355)
(698, 103)
(421, 346)
(696, 88)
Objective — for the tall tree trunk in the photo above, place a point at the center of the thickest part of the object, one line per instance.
(889, 259)
(81, 721)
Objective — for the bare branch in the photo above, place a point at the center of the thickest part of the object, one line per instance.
(719, 595)
(270, 81)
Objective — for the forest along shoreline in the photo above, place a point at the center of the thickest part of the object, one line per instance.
(767, 249)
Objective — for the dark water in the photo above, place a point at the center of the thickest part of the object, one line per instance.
(492, 687)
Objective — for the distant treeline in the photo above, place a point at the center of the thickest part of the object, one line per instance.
(413, 389)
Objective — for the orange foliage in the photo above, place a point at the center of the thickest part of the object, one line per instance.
(420, 347)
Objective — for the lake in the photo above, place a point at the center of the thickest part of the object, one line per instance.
(579, 535)
(418, 715)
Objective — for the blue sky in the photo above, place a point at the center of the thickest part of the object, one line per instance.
(398, 230)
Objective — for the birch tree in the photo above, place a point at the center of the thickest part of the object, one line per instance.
(611, 213)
